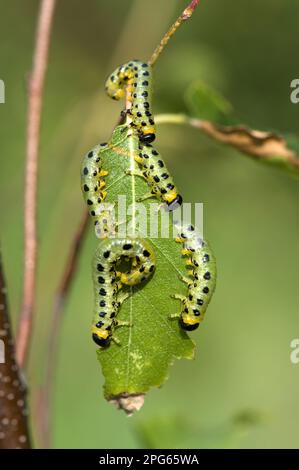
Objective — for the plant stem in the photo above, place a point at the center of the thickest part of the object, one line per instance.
(187, 13)
(13, 409)
(35, 95)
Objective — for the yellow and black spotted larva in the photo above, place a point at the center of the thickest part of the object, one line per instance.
(92, 185)
(202, 281)
(108, 282)
(135, 78)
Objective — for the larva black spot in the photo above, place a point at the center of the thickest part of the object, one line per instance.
(206, 258)
(85, 170)
(146, 253)
(89, 202)
(90, 154)
(100, 267)
(145, 83)
(207, 275)
(127, 246)
(106, 254)
(102, 303)
(103, 292)
(200, 302)
(206, 290)
(101, 280)
(86, 188)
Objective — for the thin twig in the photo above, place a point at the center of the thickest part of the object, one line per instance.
(44, 402)
(35, 95)
(260, 145)
(187, 13)
(13, 409)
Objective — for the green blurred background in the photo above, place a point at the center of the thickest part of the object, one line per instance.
(242, 389)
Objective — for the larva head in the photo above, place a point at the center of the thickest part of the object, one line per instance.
(148, 135)
(173, 200)
(101, 337)
(189, 323)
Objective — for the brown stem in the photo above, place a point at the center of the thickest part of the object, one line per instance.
(187, 13)
(13, 409)
(35, 94)
(44, 400)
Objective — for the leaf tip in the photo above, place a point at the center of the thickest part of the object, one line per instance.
(129, 403)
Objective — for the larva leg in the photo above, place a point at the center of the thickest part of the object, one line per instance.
(119, 323)
(182, 298)
(135, 173)
(116, 340)
(145, 196)
(122, 297)
(175, 315)
(185, 279)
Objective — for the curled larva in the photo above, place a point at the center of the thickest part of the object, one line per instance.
(135, 79)
(108, 281)
(202, 281)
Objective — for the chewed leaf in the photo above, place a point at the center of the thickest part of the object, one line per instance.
(267, 147)
(149, 346)
(214, 116)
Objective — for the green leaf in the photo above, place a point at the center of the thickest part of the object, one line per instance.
(206, 103)
(148, 348)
